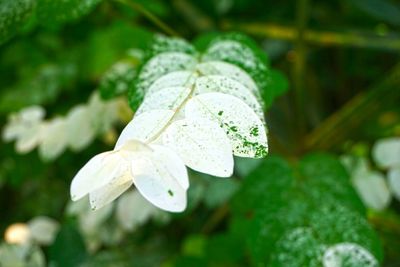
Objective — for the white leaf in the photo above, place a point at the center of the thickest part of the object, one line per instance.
(394, 181)
(100, 170)
(386, 152)
(169, 98)
(145, 126)
(155, 181)
(230, 71)
(173, 79)
(348, 254)
(109, 192)
(372, 189)
(43, 229)
(133, 210)
(221, 84)
(29, 138)
(242, 125)
(164, 63)
(203, 146)
(54, 139)
(80, 131)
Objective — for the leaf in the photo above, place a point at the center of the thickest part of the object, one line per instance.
(54, 139)
(243, 127)
(386, 152)
(349, 255)
(202, 145)
(372, 189)
(13, 15)
(298, 247)
(145, 126)
(117, 80)
(276, 199)
(55, 12)
(394, 182)
(160, 182)
(68, 248)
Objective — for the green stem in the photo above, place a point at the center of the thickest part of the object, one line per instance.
(321, 38)
(299, 67)
(154, 19)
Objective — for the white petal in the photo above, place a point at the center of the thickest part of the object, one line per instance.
(225, 85)
(80, 131)
(230, 71)
(386, 152)
(162, 64)
(100, 170)
(172, 79)
(145, 126)
(394, 181)
(203, 146)
(154, 181)
(169, 98)
(109, 192)
(242, 125)
(372, 189)
(54, 139)
(32, 114)
(133, 210)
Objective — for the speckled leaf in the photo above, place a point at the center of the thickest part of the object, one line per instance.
(145, 126)
(348, 255)
(173, 79)
(228, 70)
(202, 145)
(169, 98)
(159, 181)
(225, 85)
(242, 125)
(13, 15)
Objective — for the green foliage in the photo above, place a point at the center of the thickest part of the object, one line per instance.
(15, 14)
(68, 248)
(276, 199)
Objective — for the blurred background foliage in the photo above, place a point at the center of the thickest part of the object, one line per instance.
(339, 60)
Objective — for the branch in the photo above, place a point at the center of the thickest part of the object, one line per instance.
(322, 38)
(154, 19)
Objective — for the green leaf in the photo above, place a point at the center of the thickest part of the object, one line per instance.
(50, 11)
(13, 15)
(219, 191)
(117, 80)
(276, 199)
(68, 249)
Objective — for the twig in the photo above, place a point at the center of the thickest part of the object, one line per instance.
(299, 67)
(154, 19)
(322, 38)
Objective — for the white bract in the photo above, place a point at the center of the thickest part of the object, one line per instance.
(198, 113)
(43, 230)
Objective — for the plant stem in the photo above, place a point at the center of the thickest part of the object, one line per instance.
(299, 67)
(154, 19)
(322, 38)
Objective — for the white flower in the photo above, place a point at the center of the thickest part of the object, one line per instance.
(156, 171)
